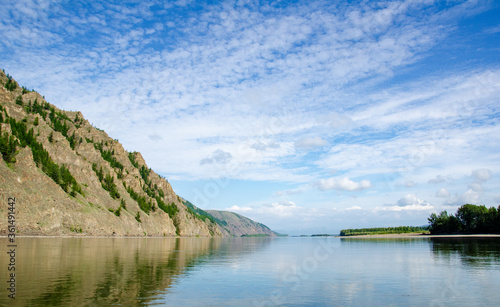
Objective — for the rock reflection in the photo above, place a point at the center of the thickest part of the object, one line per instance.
(101, 271)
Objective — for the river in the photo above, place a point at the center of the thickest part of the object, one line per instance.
(287, 271)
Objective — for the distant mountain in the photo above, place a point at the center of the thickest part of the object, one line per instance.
(233, 224)
(69, 177)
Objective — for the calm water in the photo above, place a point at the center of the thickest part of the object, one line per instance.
(253, 272)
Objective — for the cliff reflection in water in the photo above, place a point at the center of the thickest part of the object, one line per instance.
(106, 271)
(473, 252)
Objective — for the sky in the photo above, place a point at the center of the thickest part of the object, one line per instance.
(307, 116)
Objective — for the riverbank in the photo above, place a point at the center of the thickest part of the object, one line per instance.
(419, 235)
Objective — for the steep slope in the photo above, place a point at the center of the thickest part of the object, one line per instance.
(69, 177)
(233, 224)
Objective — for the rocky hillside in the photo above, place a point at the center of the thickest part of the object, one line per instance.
(232, 224)
(69, 177)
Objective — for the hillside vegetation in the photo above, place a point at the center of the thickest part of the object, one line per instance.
(69, 177)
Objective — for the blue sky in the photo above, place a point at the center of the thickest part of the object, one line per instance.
(308, 116)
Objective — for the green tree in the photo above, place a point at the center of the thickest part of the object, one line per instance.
(118, 211)
(492, 221)
(8, 147)
(123, 204)
(19, 100)
(72, 140)
(10, 85)
(109, 185)
(443, 223)
(472, 218)
(55, 173)
(468, 219)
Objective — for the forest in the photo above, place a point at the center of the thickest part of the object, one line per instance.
(382, 230)
(469, 219)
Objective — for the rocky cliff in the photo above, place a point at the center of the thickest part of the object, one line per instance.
(235, 225)
(69, 177)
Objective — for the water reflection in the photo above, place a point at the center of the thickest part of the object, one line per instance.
(473, 252)
(393, 241)
(108, 271)
(254, 272)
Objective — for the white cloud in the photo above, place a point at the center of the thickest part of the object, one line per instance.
(299, 190)
(477, 187)
(310, 142)
(242, 89)
(468, 197)
(354, 208)
(276, 209)
(344, 184)
(443, 192)
(409, 202)
(260, 145)
(427, 207)
(492, 30)
(438, 179)
(335, 120)
(283, 203)
(239, 209)
(481, 175)
(219, 156)
(410, 183)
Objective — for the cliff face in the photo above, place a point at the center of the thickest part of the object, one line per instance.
(232, 224)
(69, 177)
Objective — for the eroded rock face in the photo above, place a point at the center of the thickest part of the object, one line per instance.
(43, 207)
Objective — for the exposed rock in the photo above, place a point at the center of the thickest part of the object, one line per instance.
(43, 207)
(138, 202)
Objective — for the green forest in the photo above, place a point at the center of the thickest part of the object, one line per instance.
(469, 219)
(382, 230)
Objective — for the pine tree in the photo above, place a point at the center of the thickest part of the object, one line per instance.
(19, 100)
(10, 85)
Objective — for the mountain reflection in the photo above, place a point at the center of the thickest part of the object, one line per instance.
(109, 271)
(476, 252)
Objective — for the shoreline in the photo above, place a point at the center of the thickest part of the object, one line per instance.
(102, 236)
(419, 235)
(130, 237)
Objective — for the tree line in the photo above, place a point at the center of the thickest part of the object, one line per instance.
(382, 230)
(469, 219)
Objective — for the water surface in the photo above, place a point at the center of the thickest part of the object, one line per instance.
(254, 272)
